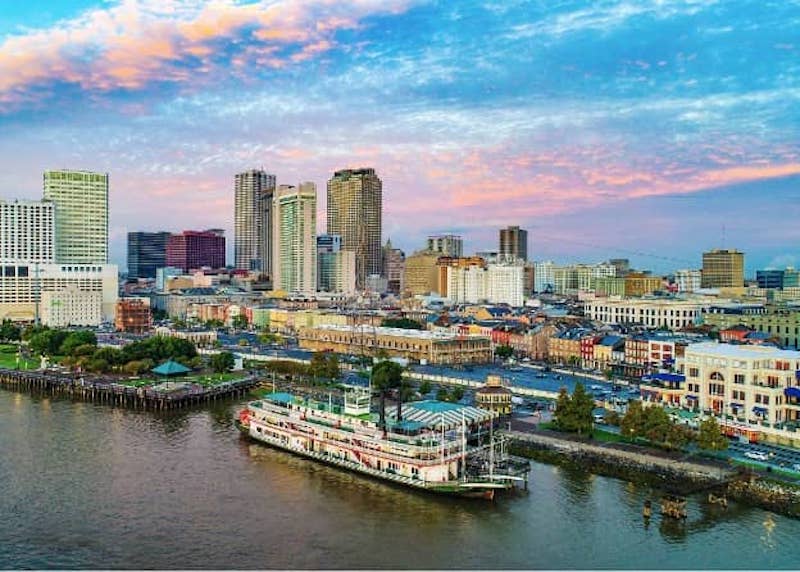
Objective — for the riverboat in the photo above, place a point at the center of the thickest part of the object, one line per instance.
(435, 446)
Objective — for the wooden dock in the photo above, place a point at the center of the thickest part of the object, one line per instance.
(98, 389)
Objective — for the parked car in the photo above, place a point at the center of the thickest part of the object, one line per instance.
(757, 455)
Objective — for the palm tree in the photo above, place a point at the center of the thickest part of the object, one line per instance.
(386, 375)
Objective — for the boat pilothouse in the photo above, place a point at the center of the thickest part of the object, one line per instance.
(437, 446)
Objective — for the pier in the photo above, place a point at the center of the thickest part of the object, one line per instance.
(106, 390)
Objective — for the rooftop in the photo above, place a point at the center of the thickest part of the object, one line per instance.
(741, 351)
(395, 332)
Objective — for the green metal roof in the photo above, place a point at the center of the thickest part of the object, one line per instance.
(280, 397)
(170, 368)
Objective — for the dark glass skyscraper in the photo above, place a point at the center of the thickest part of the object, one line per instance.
(146, 252)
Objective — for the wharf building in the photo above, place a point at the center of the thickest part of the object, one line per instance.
(294, 238)
(194, 249)
(723, 269)
(426, 347)
(451, 245)
(253, 219)
(355, 211)
(513, 243)
(147, 252)
(81, 217)
(648, 312)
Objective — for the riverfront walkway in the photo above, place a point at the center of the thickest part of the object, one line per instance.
(99, 389)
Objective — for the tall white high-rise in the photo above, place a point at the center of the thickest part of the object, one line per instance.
(253, 193)
(27, 232)
(81, 215)
(294, 238)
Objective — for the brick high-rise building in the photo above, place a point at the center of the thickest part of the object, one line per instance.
(723, 269)
(133, 315)
(355, 210)
(253, 193)
(194, 249)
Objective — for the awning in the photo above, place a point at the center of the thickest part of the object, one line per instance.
(737, 406)
(694, 397)
(760, 410)
(792, 392)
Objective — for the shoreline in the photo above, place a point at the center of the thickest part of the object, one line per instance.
(671, 473)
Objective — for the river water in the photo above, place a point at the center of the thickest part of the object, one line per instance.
(89, 486)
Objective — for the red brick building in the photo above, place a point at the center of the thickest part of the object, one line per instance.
(133, 316)
(194, 249)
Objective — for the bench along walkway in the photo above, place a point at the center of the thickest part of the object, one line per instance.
(100, 389)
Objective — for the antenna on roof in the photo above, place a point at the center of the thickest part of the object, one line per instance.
(723, 235)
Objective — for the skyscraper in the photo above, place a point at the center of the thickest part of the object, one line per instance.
(26, 232)
(253, 193)
(147, 251)
(355, 208)
(194, 249)
(294, 238)
(81, 205)
(513, 243)
(447, 245)
(723, 269)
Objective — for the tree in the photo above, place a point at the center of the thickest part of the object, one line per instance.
(222, 362)
(442, 394)
(425, 387)
(386, 375)
(582, 406)
(75, 339)
(404, 323)
(239, 322)
(9, 332)
(457, 394)
(504, 351)
(561, 416)
(710, 437)
(609, 375)
(656, 424)
(632, 424)
(324, 365)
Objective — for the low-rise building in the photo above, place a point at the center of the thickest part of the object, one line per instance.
(673, 314)
(779, 321)
(494, 396)
(749, 384)
(416, 345)
(133, 316)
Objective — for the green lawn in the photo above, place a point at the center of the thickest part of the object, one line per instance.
(8, 359)
(608, 437)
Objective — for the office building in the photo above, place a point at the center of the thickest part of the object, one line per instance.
(81, 215)
(335, 267)
(544, 276)
(421, 274)
(394, 261)
(688, 280)
(770, 278)
(355, 210)
(253, 194)
(505, 283)
(195, 249)
(294, 238)
(147, 251)
(27, 232)
(447, 245)
(791, 277)
(723, 269)
(513, 243)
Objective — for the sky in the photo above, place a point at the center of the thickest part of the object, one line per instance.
(648, 129)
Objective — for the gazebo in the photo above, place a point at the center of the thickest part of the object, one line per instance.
(171, 369)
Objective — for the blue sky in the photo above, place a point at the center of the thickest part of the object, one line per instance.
(603, 127)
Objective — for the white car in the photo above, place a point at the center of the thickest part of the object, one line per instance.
(757, 455)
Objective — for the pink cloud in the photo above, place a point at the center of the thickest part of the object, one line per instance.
(138, 42)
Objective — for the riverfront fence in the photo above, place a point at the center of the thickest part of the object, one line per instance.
(108, 391)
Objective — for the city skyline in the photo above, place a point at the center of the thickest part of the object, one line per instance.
(603, 129)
